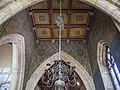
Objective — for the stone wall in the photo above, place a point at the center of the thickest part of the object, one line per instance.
(36, 53)
(76, 49)
(101, 28)
(20, 24)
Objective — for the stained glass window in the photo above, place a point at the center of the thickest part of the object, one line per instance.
(5, 78)
(113, 69)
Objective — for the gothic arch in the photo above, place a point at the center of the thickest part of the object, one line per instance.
(19, 5)
(101, 52)
(18, 59)
(101, 60)
(87, 80)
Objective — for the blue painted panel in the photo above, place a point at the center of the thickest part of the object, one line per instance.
(115, 49)
(98, 80)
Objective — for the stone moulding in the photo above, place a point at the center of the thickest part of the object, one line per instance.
(87, 80)
(19, 5)
(18, 59)
(101, 60)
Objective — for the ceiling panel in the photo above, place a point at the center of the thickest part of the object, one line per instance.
(41, 18)
(79, 18)
(65, 17)
(76, 17)
(76, 4)
(64, 33)
(56, 5)
(41, 5)
(43, 33)
(76, 33)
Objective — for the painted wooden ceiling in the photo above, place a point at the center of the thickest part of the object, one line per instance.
(76, 19)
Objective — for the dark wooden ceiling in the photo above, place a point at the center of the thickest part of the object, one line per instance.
(76, 19)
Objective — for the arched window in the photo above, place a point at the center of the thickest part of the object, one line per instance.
(12, 75)
(5, 66)
(113, 69)
(101, 59)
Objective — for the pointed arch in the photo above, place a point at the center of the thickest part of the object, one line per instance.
(87, 80)
(19, 5)
(101, 60)
(18, 59)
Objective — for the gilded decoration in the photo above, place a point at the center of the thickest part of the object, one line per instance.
(76, 4)
(64, 33)
(76, 14)
(56, 5)
(41, 18)
(77, 33)
(43, 33)
(41, 5)
(79, 18)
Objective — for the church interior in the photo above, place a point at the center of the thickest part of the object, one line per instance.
(59, 45)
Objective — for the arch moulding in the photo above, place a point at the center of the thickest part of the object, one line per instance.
(18, 59)
(101, 60)
(35, 77)
(19, 5)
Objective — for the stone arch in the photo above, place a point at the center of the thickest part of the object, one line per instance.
(101, 52)
(18, 59)
(87, 80)
(20, 5)
(101, 60)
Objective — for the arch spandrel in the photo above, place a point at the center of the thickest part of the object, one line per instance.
(87, 80)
